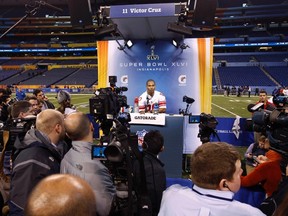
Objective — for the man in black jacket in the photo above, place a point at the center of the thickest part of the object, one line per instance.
(41, 96)
(36, 157)
(155, 174)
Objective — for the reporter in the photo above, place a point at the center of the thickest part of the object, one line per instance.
(215, 171)
(61, 195)
(267, 173)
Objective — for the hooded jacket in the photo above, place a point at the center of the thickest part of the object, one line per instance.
(35, 159)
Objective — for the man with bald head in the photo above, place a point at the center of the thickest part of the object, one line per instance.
(77, 161)
(61, 195)
(36, 157)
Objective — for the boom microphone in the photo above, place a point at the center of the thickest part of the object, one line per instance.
(252, 107)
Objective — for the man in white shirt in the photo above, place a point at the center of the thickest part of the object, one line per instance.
(150, 97)
(216, 171)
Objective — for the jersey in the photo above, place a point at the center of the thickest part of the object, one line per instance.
(146, 102)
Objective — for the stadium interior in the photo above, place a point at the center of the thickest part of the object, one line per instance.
(38, 38)
(53, 44)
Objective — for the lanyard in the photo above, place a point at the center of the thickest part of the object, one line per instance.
(212, 196)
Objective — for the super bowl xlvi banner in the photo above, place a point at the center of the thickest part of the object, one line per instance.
(177, 72)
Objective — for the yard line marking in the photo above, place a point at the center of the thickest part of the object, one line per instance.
(225, 109)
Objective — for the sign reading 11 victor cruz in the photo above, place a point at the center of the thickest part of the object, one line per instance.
(142, 10)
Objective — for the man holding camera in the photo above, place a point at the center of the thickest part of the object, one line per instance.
(36, 157)
(150, 97)
(77, 161)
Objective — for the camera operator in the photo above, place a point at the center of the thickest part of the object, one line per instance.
(37, 157)
(19, 110)
(77, 161)
(154, 169)
(266, 105)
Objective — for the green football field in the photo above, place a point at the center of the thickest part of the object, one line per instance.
(221, 106)
(232, 105)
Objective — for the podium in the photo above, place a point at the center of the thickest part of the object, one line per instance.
(172, 132)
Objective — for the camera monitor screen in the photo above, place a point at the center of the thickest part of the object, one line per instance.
(194, 119)
(98, 151)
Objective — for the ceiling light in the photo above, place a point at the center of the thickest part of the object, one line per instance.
(129, 44)
(174, 42)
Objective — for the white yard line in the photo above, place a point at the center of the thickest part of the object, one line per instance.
(225, 109)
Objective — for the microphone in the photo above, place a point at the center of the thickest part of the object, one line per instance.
(147, 103)
(50, 6)
(252, 107)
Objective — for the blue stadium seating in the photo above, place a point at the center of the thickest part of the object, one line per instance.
(50, 77)
(279, 73)
(85, 77)
(235, 76)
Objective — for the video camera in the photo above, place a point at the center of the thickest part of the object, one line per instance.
(17, 129)
(119, 149)
(106, 104)
(274, 124)
(207, 127)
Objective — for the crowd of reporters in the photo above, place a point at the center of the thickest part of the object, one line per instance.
(57, 142)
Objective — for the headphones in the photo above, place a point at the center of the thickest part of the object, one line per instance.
(226, 186)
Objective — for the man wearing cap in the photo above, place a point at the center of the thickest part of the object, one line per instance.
(64, 99)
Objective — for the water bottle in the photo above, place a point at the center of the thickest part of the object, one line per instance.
(156, 108)
(136, 108)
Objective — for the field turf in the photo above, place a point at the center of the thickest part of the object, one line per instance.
(221, 106)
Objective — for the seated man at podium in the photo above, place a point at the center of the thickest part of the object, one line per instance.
(151, 98)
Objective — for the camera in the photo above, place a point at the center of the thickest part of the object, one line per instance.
(106, 104)
(17, 129)
(188, 100)
(119, 149)
(207, 127)
(274, 124)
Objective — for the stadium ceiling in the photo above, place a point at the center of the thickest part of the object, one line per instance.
(232, 16)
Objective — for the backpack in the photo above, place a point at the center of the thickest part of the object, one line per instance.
(270, 204)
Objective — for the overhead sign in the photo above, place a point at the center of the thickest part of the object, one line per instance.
(142, 10)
